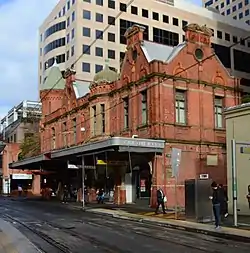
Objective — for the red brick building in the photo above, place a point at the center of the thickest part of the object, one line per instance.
(162, 93)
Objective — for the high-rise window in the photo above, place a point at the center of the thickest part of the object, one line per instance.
(180, 107)
(144, 102)
(126, 112)
(218, 108)
(103, 122)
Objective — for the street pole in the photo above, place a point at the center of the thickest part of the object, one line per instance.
(175, 193)
(234, 182)
(83, 184)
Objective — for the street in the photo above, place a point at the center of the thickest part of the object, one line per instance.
(56, 228)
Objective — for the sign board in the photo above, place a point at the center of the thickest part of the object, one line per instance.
(22, 176)
(175, 161)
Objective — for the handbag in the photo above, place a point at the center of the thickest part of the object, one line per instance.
(165, 199)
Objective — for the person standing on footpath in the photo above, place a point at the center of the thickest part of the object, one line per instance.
(216, 201)
(224, 201)
(161, 199)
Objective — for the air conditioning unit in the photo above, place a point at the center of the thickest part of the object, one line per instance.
(204, 176)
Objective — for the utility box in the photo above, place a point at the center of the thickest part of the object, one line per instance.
(198, 206)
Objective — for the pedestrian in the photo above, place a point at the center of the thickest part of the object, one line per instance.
(100, 196)
(161, 199)
(216, 200)
(65, 194)
(20, 190)
(224, 201)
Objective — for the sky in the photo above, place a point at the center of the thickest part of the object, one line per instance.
(19, 23)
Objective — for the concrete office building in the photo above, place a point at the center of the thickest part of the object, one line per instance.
(73, 25)
(237, 9)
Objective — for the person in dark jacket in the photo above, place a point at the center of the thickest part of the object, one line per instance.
(160, 201)
(65, 194)
(224, 201)
(216, 201)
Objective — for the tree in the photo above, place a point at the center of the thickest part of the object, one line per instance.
(31, 146)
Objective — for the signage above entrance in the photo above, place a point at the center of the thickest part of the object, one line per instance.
(22, 176)
(141, 143)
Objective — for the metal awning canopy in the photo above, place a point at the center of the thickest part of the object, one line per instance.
(119, 144)
(32, 161)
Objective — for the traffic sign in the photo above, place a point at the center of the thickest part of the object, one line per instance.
(175, 161)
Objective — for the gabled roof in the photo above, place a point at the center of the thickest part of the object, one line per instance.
(81, 88)
(54, 80)
(154, 51)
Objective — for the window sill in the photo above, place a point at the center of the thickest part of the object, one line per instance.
(222, 129)
(142, 126)
(181, 125)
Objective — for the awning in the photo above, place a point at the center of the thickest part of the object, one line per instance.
(119, 144)
(31, 161)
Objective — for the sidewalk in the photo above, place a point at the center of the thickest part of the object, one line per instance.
(147, 216)
(12, 241)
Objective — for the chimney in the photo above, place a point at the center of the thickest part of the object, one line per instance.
(134, 35)
(197, 34)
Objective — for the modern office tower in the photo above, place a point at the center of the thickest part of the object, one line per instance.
(73, 25)
(237, 9)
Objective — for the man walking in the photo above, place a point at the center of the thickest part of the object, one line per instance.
(216, 200)
(224, 201)
(160, 201)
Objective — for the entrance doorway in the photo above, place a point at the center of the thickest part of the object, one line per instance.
(141, 183)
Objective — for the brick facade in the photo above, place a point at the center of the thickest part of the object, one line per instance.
(198, 74)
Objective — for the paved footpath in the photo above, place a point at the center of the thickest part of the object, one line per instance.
(12, 241)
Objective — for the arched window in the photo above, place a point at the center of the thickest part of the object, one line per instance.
(53, 138)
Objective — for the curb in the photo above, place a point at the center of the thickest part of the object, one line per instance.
(167, 224)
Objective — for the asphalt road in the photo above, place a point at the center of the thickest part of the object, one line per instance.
(55, 228)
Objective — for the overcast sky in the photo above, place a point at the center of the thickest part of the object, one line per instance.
(19, 22)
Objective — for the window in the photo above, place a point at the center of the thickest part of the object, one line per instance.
(73, 33)
(94, 120)
(14, 139)
(126, 112)
(99, 51)
(228, 11)
(111, 4)
(73, 16)
(67, 55)
(111, 54)
(218, 106)
(165, 19)
(99, 2)
(144, 107)
(53, 45)
(53, 138)
(99, 17)
(247, 12)
(85, 49)
(64, 130)
(87, 1)
(68, 5)
(86, 32)
(227, 37)
(99, 34)
(165, 37)
(111, 37)
(123, 7)
(67, 37)
(103, 117)
(246, 2)
(98, 68)
(86, 14)
(219, 34)
(134, 10)
(54, 28)
(72, 51)
(74, 131)
(86, 67)
(234, 8)
(73, 2)
(111, 20)
(125, 24)
(68, 22)
(235, 40)
(240, 5)
(175, 21)
(184, 23)
(155, 16)
(144, 13)
(180, 107)
(240, 15)
(222, 5)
